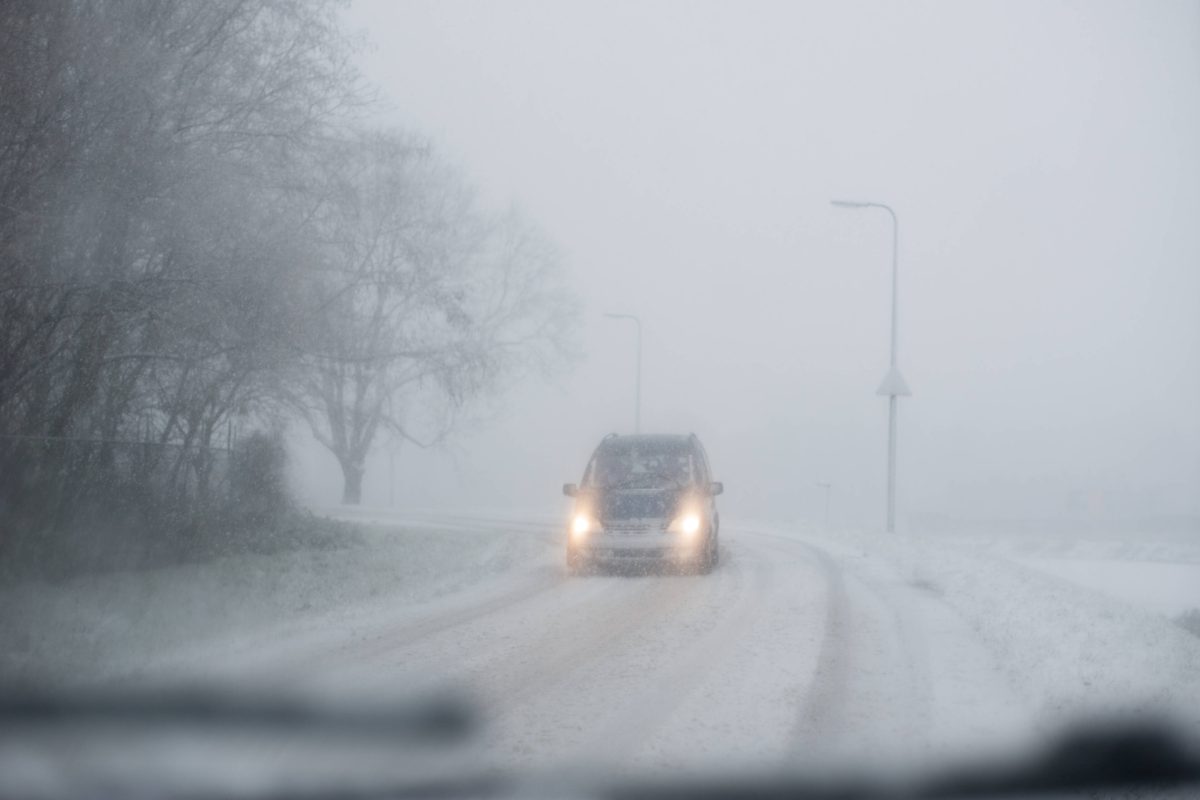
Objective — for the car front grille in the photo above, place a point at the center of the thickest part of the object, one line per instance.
(621, 509)
(635, 526)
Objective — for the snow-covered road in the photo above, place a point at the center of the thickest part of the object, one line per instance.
(786, 653)
(798, 649)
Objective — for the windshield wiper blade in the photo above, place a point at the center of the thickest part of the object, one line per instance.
(640, 481)
(444, 718)
(678, 484)
(1085, 760)
(625, 484)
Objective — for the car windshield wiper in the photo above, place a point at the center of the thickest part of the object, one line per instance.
(1088, 759)
(441, 719)
(1085, 761)
(640, 481)
(678, 484)
(628, 483)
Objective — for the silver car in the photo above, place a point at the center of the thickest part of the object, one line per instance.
(645, 498)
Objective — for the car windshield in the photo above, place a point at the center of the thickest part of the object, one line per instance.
(640, 466)
(482, 390)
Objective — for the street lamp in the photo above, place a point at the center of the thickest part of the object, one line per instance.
(893, 385)
(637, 406)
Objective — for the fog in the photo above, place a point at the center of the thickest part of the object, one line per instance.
(1041, 158)
(249, 250)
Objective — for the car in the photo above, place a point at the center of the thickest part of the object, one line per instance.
(645, 499)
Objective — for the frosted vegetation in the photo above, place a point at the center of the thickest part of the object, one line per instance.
(201, 240)
(131, 622)
(208, 242)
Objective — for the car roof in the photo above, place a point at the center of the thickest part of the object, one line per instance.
(650, 439)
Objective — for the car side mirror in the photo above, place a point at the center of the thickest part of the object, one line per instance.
(570, 489)
(715, 488)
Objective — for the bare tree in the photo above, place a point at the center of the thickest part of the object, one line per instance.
(147, 211)
(192, 232)
(424, 303)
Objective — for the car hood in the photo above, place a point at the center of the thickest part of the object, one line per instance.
(617, 505)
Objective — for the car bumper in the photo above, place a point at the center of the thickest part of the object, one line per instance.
(650, 546)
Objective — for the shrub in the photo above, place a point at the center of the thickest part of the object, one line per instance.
(1190, 620)
(258, 490)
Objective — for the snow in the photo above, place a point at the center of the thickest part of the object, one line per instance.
(802, 648)
(1162, 587)
(1158, 572)
(106, 625)
(1075, 652)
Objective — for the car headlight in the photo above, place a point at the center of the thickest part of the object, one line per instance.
(687, 524)
(582, 525)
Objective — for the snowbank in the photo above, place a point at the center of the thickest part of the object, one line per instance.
(108, 625)
(1073, 651)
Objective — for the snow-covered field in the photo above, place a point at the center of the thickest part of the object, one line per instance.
(1168, 588)
(1156, 572)
(800, 648)
(101, 626)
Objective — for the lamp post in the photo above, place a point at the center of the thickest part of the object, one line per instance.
(893, 385)
(637, 404)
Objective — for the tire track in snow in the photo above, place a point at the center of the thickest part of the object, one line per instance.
(408, 633)
(724, 691)
(321, 653)
(818, 714)
(647, 711)
(551, 702)
(871, 682)
(896, 600)
(516, 654)
(603, 637)
(555, 656)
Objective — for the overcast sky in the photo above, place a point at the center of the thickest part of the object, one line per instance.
(1044, 160)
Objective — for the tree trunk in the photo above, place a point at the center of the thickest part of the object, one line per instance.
(352, 490)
